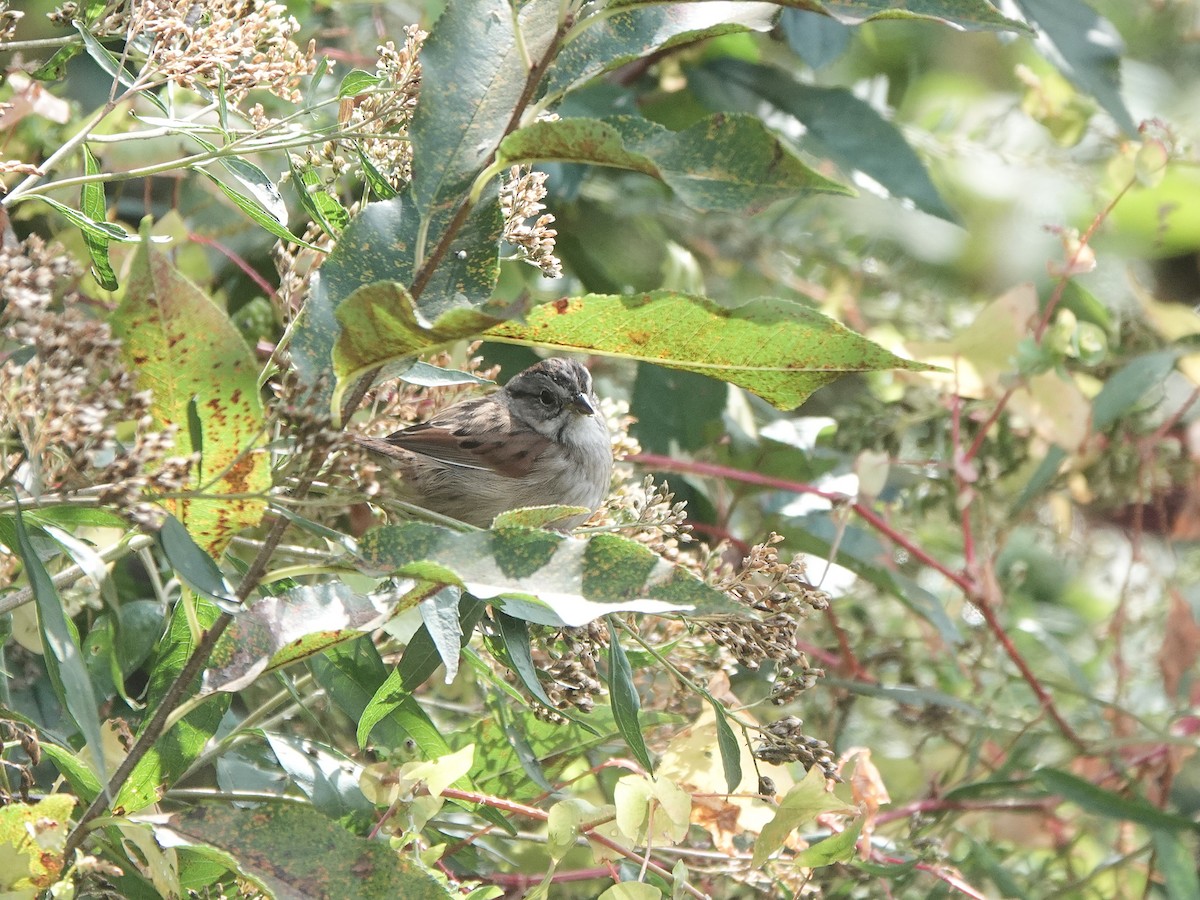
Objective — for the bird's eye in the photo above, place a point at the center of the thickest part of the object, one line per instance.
(547, 398)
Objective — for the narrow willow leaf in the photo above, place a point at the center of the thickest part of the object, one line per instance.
(259, 186)
(191, 563)
(60, 643)
(515, 635)
(110, 64)
(731, 163)
(1128, 385)
(421, 657)
(252, 208)
(97, 229)
(730, 747)
(93, 205)
(626, 705)
(1104, 803)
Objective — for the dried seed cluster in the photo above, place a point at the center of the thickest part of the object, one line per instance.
(782, 596)
(783, 741)
(64, 392)
(521, 197)
(240, 44)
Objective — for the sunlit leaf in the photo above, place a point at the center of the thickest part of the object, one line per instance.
(542, 577)
(182, 346)
(801, 805)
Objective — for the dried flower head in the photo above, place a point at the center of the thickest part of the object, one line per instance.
(240, 44)
(521, 198)
(64, 391)
(784, 741)
(9, 19)
(375, 124)
(782, 597)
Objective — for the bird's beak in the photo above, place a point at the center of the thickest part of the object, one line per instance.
(582, 405)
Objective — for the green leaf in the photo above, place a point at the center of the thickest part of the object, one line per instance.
(1109, 805)
(179, 747)
(353, 674)
(60, 644)
(1086, 48)
(328, 778)
(55, 68)
(83, 781)
(191, 563)
(371, 264)
(421, 657)
(324, 208)
(515, 635)
(542, 577)
(626, 704)
(259, 186)
(255, 210)
(776, 348)
(963, 15)
(1125, 388)
(847, 128)
(98, 230)
(804, 802)
(399, 711)
(472, 79)
(836, 848)
(181, 345)
(93, 205)
(731, 163)
(817, 39)
(291, 848)
(621, 36)
(356, 81)
(1177, 863)
(439, 614)
(426, 375)
(730, 747)
(113, 66)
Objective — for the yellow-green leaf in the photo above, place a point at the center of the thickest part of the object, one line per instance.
(184, 348)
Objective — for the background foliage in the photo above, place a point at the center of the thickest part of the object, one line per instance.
(291, 685)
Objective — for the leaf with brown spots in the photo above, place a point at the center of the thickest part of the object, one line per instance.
(184, 348)
(776, 348)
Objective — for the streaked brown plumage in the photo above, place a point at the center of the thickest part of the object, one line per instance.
(538, 441)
